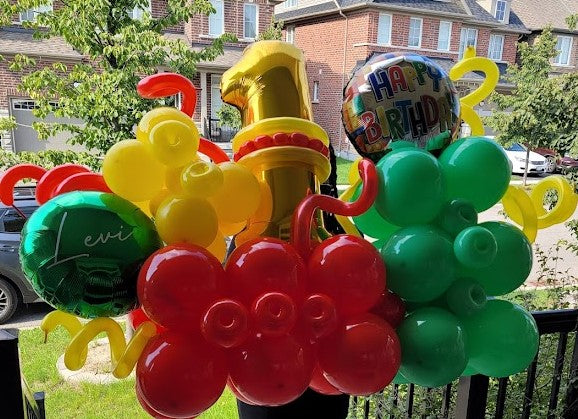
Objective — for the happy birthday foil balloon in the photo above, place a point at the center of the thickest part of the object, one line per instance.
(82, 252)
(398, 96)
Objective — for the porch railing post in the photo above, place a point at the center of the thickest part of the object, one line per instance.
(10, 387)
(472, 397)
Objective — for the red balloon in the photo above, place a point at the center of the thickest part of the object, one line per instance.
(318, 316)
(265, 265)
(350, 271)
(235, 391)
(180, 375)
(51, 179)
(274, 313)
(390, 308)
(169, 84)
(226, 323)
(362, 357)
(149, 409)
(177, 284)
(82, 182)
(320, 384)
(271, 371)
(13, 175)
(138, 317)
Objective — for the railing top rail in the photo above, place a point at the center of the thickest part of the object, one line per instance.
(555, 321)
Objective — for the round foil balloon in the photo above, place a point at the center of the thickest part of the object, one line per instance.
(399, 96)
(82, 252)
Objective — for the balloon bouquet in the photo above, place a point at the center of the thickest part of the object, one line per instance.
(292, 306)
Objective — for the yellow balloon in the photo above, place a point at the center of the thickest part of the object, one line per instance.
(132, 172)
(240, 195)
(230, 229)
(173, 180)
(260, 220)
(219, 247)
(518, 206)
(202, 179)
(157, 200)
(145, 207)
(158, 115)
(565, 206)
(174, 143)
(186, 220)
(353, 175)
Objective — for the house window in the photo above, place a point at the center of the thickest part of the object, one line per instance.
(216, 101)
(291, 3)
(563, 46)
(501, 6)
(315, 92)
(251, 22)
(496, 47)
(137, 13)
(384, 29)
(216, 20)
(30, 14)
(444, 36)
(415, 24)
(468, 37)
(290, 34)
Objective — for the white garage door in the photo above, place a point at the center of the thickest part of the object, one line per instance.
(26, 138)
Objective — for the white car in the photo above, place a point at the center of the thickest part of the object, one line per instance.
(517, 155)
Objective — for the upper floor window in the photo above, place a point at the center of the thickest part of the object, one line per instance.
(496, 47)
(250, 20)
(315, 95)
(30, 14)
(216, 20)
(291, 3)
(564, 48)
(137, 13)
(415, 24)
(501, 8)
(468, 37)
(444, 36)
(384, 29)
(290, 34)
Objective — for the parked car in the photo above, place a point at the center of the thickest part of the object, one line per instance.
(14, 287)
(551, 157)
(567, 164)
(517, 155)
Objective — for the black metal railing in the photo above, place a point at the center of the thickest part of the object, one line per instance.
(218, 133)
(547, 389)
(16, 399)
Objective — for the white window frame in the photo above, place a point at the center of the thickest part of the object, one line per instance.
(463, 40)
(409, 37)
(558, 59)
(290, 34)
(256, 7)
(315, 93)
(449, 35)
(491, 47)
(137, 13)
(30, 14)
(214, 18)
(290, 3)
(215, 94)
(505, 3)
(384, 37)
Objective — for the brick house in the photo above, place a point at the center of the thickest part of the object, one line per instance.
(338, 35)
(246, 19)
(535, 16)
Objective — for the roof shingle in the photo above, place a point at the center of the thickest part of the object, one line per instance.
(537, 13)
(14, 40)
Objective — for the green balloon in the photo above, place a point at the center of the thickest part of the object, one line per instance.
(433, 345)
(419, 262)
(477, 170)
(371, 222)
(469, 371)
(465, 297)
(399, 379)
(475, 247)
(512, 264)
(82, 252)
(455, 216)
(503, 339)
(411, 189)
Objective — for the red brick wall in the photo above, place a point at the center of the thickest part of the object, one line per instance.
(198, 28)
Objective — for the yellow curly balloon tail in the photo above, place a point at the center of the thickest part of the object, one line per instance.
(519, 207)
(59, 318)
(345, 222)
(123, 357)
(565, 206)
(473, 120)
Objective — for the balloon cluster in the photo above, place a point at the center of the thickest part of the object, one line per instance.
(275, 313)
(445, 265)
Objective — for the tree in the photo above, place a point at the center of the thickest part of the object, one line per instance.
(118, 51)
(542, 110)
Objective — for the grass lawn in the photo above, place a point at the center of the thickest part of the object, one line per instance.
(343, 171)
(65, 400)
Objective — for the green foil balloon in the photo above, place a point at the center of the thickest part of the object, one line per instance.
(503, 339)
(412, 189)
(82, 252)
(420, 263)
(475, 247)
(512, 263)
(455, 216)
(433, 345)
(476, 169)
(371, 222)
